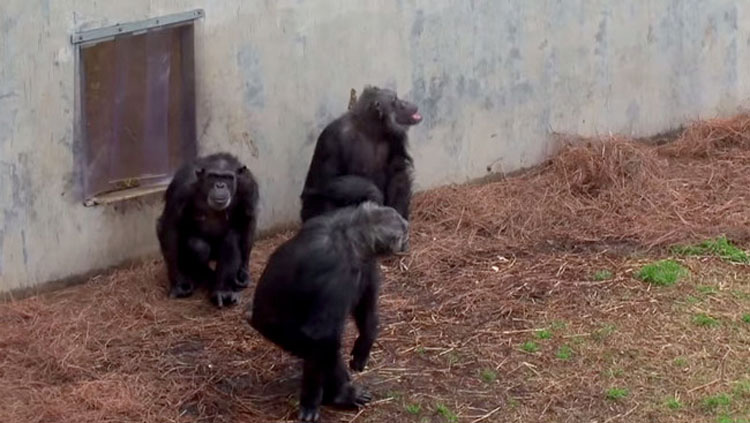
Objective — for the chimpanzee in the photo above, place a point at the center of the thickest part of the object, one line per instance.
(209, 215)
(362, 156)
(312, 283)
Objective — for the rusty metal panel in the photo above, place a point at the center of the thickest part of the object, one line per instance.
(138, 106)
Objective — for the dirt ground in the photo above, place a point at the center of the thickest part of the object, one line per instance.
(522, 300)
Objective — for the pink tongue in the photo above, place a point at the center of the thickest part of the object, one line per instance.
(416, 116)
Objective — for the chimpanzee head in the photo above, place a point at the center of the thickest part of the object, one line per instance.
(389, 232)
(218, 185)
(384, 105)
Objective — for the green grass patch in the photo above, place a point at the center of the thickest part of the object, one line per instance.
(720, 247)
(707, 290)
(603, 275)
(680, 362)
(544, 334)
(673, 403)
(704, 320)
(414, 409)
(558, 325)
(445, 412)
(615, 394)
(420, 350)
(530, 347)
(604, 332)
(394, 394)
(488, 375)
(692, 300)
(662, 273)
(742, 389)
(578, 340)
(564, 353)
(714, 402)
(746, 318)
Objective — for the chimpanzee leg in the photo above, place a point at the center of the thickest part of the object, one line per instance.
(227, 266)
(193, 262)
(311, 395)
(366, 317)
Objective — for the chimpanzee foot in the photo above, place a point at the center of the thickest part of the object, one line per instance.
(351, 397)
(243, 278)
(308, 414)
(225, 298)
(181, 290)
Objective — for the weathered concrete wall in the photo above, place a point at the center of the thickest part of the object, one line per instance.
(493, 79)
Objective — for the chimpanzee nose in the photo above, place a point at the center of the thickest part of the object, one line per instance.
(220, 185)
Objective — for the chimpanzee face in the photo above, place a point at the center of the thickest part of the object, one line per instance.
(391, 231)
(405, 113)
(218, 187)
(399, 111)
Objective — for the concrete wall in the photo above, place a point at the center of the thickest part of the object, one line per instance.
(493, 79)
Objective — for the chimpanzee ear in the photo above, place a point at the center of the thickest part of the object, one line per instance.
(199, 172)
(242, 169)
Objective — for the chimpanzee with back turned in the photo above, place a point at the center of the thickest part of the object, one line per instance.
(209, 215)
(362, 156)
(312, 283)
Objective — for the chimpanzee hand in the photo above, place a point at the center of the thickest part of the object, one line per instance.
(375, 195)
(358, 362)
(307, 415)
(183, 287)
(244, 279)
(225, 298)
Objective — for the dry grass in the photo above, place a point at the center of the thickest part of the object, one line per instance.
(490, 266)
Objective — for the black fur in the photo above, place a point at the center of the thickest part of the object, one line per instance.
(194, 230)
(362, 156)
(312, 283)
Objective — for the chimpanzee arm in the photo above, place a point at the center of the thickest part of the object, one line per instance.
(332, 184)
(352, 189)
(247, 222)
(227, 267)
(168, 234)
(398, 189)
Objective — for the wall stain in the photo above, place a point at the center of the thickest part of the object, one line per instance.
(633, 113)
(24, 250)
(248, 141)
(250, 67)
(2, 242)
(417, 27)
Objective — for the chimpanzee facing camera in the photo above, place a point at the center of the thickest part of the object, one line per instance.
(309, 287)
(209, 216)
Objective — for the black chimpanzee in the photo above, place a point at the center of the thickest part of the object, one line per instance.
(362, 156)
(312, 283)
(209, 215)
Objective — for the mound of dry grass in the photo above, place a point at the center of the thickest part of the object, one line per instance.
(712, 138)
